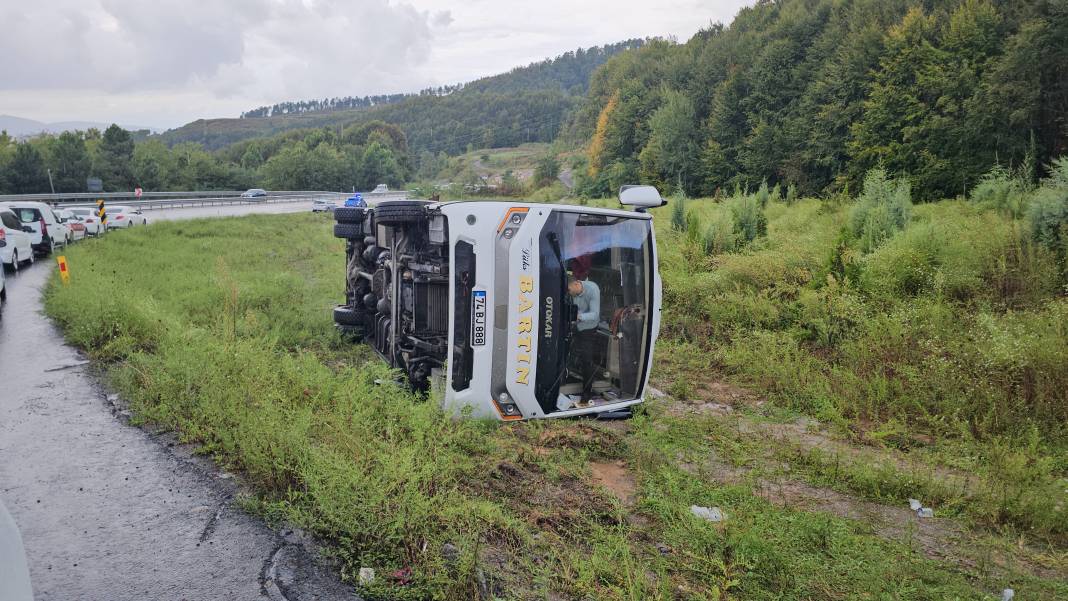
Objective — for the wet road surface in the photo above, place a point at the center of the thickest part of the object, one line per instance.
(227, 210)
(112, 512)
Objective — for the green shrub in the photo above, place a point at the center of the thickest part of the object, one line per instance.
(957, 252)
(693, 228)
(829, 315)
(883, 208)
(1048, 216)
(762, 194)
(750, 222)
(1058, 174)
(719, 236)
(551, 193)
(791, 194)
(678, 215)
(1000, 191)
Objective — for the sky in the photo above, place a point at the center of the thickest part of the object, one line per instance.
(163, 63)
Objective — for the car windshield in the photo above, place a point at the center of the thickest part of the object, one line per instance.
(81, 212)
(595, 269)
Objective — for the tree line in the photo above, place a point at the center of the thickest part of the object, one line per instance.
(64, 162)
(326, 104)
(359, 157)
(815, 93)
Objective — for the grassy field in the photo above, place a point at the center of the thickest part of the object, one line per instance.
(808, 408)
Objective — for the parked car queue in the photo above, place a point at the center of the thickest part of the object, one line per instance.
(29, 230)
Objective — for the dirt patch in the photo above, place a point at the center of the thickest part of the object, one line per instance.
(711, 397)
(615, 478)
(559, 505)
(935, 538)
(602, 442)
(805, 434)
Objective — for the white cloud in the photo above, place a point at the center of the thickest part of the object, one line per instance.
(164, 62)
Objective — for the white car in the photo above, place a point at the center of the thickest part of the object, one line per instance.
(321, 205)
(63, 235)
(254, 193)
(380, 189)
(123, 217)
(74, 225)
(88, 217)
(18, 248)
(46, 232)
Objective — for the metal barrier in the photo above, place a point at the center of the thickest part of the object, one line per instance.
(130, 199)
(177, 200)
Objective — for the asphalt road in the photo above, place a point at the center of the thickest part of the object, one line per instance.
(113, 512)
(227, 210)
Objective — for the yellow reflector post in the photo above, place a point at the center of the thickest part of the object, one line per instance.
(64, 273)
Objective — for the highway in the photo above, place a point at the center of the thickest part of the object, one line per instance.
(111, 511)
(227, 210)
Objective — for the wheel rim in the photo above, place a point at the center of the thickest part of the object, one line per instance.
(15, 260)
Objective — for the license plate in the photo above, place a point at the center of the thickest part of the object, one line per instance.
(478, 317)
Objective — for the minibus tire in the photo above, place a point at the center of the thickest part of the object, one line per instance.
(348, 214)
(400, 212)
(346, 316)
(349, 231)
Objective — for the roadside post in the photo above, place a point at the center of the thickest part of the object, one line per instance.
(102, 214)
(64, 273)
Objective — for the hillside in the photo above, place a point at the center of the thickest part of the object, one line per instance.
(816, 92)
(527, 104)
(217, 133)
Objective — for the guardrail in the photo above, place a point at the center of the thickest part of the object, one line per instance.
(83, 197)
(179, 203)
(177, 200)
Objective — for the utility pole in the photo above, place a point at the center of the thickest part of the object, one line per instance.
(50, 181)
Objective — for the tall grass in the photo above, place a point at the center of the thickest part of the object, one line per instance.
(949, 318)
(221, 330)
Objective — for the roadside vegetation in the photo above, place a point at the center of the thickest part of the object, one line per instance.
(823, 362)
(833, 345)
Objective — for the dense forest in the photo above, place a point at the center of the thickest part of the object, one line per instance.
(816, 92)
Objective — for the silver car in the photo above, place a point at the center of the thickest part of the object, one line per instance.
(322, 205)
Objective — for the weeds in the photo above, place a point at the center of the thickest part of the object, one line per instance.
(222, 331)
